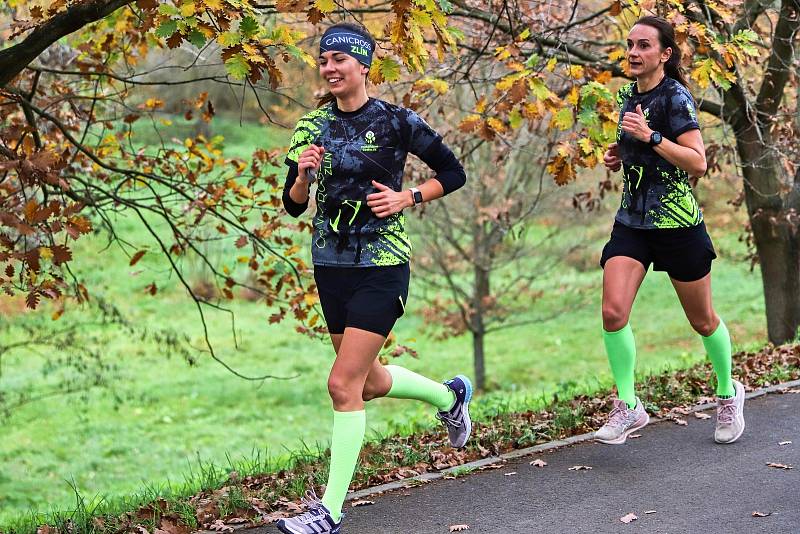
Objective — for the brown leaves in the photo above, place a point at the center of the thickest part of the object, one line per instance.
(538, 463)
(779, 466)
(701, 415)
(363, 502)
(136, 257)
(628, 518)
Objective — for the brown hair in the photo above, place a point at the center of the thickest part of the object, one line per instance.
(666, 36)
(361, 30)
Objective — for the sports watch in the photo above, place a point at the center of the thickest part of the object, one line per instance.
(655, 139)
(416, 195)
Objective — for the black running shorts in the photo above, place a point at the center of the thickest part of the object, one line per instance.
(369, 298)
(684, 253)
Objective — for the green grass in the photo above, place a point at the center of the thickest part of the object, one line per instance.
(168, 419)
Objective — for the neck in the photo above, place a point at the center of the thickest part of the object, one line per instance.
(649, 81)
(353, 101)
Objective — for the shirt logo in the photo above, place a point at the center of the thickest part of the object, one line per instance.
(369, 146)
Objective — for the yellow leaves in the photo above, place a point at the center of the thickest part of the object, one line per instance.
(422, 18)
(470, 124)
(384, 69)
(563, 119)
(586, 145)
(325, 6)
(576, 71)
(561, 168)
(438, 86)
(310, 299)
(707, 71)
(616, 54)
(294, 249)
(539, 88)
(214, 5)
(574, 96)
(188, 9)
(480, 106)
(502, 53)
(496, 125)
(551, 64)
(152, 103)
(46, 253)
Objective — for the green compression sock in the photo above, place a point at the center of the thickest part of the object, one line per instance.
(718, 348)
(621, 350)
(346, 441)
(409, 385)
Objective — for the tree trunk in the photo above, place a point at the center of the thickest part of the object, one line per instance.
(478, 327)
(773, 219)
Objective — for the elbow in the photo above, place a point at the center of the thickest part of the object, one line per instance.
(699, 170)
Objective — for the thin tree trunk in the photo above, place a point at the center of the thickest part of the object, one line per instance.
(478, 326)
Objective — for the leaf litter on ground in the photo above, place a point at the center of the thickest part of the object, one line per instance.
(628, 518)
(538, 463)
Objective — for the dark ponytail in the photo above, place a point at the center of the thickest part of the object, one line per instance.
(666, 36)
(328, 97)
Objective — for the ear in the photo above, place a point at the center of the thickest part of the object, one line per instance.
(666, 54)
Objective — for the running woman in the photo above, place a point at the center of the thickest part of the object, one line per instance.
(659, 221)
(355, 148)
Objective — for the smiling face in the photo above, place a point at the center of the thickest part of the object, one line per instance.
(645, 55)
(344, 74)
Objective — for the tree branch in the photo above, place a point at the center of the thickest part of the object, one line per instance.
(15, 58)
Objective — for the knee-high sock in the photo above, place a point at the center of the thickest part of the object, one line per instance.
(718, 348)
(409, 385)
(346, 441)
(621, 350)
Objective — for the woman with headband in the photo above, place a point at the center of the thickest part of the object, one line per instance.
(355, 148)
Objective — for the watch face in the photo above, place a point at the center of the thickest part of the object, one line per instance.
(417, 197)
(655, 138)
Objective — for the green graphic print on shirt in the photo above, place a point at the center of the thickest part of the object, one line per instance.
(656, 193)
(369, 144)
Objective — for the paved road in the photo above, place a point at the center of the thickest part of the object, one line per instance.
(694, 485)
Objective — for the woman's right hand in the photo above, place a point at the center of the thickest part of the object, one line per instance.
(310, 158)
(611, 158)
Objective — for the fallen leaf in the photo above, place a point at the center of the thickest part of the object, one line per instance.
(538, 463)
(579, 468)
(701, 415)
(634, 436)
(761, 514)
(363, 502)
(784, 442)
(682, 410)
(491, 466)
(512, 473)
(458, 528)
(779, 466)
(650, 512)
(628, 518)
(681, 422)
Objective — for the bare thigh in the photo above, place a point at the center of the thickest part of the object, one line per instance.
(622, 277)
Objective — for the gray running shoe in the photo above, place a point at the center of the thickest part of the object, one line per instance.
(456, 419)
(317, 520)
(622, 421)
(730, 416)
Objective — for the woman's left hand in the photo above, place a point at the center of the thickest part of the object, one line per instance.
(636, 125)
(388, 201)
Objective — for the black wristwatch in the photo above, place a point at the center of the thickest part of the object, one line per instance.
(655, 138)
(416, 195)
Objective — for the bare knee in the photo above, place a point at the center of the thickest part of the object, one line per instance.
(343, 392)
(615, 317)
(706, 325)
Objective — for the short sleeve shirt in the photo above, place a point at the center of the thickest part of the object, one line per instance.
(360, 146)
(656, 193)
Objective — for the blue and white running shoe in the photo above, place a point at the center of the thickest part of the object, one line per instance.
(317, 520)
(456, 419)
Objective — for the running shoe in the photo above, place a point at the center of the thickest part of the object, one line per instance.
(730, 416)
(456, 419)
(317, 520)
(622, 421)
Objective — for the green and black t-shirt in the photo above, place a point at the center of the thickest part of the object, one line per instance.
(368, 144)
(656, 193)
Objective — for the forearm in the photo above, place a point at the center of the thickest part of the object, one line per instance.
(685, 158)
(299, 191)
(431, 189)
